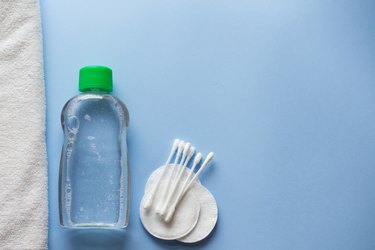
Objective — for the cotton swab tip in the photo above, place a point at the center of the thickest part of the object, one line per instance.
(186, 148)
(191, 152)
(197, 158)
(209, 157)
(169, 214)
(181, 145)
(175, 143)
(147, 203)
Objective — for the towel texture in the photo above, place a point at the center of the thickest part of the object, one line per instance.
(23, 165)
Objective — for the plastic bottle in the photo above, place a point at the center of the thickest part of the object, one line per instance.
(94, 171)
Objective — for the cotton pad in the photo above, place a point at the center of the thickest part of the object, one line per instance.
(184, 219)
(175, 206)
(207, 216)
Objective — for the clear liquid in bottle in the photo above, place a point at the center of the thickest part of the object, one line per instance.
(94, 172)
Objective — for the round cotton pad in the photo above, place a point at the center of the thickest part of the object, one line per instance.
(185, 217)
(207, 216)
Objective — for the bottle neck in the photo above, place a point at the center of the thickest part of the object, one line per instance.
(96, 91)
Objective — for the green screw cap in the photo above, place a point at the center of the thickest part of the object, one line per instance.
(95, 77)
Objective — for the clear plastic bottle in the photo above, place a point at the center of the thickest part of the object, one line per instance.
(94, 171)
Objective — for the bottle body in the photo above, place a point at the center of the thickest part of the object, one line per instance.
(94, 171)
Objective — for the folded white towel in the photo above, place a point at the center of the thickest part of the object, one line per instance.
(23, 165)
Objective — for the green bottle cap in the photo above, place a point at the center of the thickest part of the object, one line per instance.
(95, 77)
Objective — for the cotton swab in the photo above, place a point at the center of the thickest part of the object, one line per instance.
(182, 148)
(177, 181)
(209, 157)
(182, 169)
(197, 159)
(148, 202)
(186, 187)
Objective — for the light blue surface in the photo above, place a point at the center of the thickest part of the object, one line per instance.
(282, 91)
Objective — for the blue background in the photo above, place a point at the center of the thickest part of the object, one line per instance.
(283, 91)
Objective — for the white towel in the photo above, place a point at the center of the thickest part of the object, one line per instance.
(23, 165)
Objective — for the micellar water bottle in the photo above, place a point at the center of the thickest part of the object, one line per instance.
(94, 178)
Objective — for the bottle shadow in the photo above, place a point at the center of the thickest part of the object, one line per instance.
(109, 239)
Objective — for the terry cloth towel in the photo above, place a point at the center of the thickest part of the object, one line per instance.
(23, 164)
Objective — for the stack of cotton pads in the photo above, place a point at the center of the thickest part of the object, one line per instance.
(176, 206)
